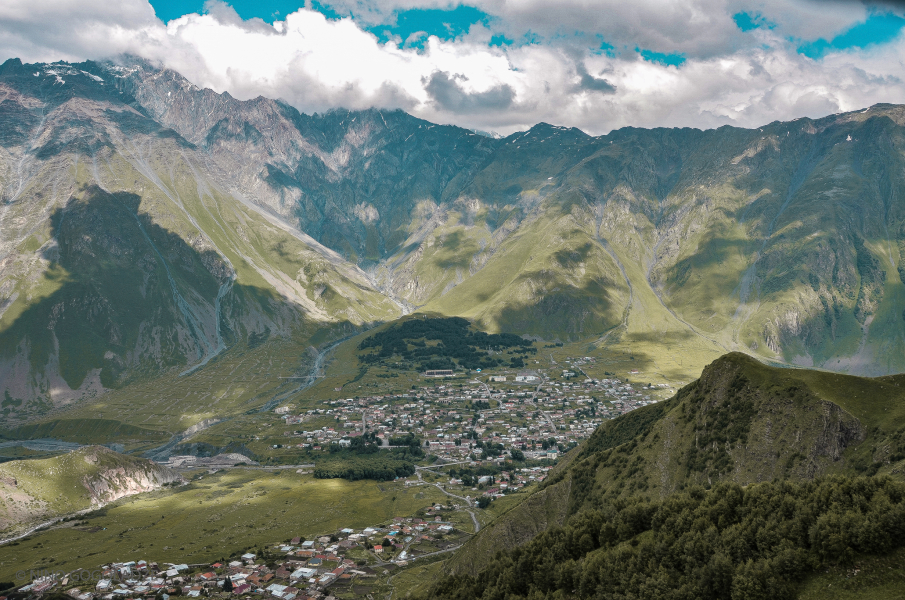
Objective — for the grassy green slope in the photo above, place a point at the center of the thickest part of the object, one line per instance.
(550, 278)
(214, 516)
(782, 242)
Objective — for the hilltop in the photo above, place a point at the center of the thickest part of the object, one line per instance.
(741, 423)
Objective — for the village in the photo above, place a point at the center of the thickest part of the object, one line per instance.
(481, 419)
(346, 562)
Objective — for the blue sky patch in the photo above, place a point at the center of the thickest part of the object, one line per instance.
(670, 60)
(604, 47)
(269, 10)
(500, 40)
(879, 28)
(749, 21)
(445, 24)
(167, 10)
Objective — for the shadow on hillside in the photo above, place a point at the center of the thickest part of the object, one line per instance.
(459, 250)
(565, 312)
(663, 338)
(121, 281)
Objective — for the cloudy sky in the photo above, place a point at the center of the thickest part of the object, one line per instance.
(501, 65)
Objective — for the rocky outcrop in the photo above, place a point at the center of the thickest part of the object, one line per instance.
(112, 482)
(37, 491)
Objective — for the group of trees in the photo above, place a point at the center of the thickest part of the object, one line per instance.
(362, 459)
(490, 449)
(363, 444)
(753, 543)
(354, 468)
(410, 441)
(440, 344)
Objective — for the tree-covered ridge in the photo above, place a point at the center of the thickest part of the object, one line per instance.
(755, 542)
(429, 343)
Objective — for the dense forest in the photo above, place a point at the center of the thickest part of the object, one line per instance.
(751, 543)
(426, 343)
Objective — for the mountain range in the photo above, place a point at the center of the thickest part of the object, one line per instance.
(148, 225)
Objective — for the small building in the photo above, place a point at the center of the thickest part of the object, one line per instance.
(439, 373)
(303, 573)
(276, 588)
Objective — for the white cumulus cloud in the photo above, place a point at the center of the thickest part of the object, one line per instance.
(314, 63)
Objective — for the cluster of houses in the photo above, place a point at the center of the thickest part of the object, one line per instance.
(500, 484)
(540, 420)
(297, 569)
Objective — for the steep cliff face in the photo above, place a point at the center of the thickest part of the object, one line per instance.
(35, 491)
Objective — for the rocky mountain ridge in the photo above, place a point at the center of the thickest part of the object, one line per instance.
(123, 258)
(781, 241)
(148, 224)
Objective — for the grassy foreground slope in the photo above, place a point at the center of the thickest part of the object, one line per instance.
(742, 422)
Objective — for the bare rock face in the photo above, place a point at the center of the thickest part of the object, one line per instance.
(116, 483)
(111, 482)
(37, 491)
